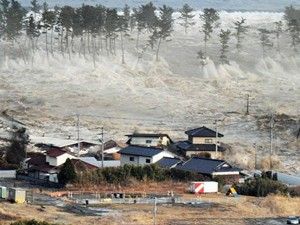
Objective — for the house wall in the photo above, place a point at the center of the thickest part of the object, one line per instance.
(155, 141)
(202, 140)
(143, 141)
(213, 154)
(57, 161)
(140, 160)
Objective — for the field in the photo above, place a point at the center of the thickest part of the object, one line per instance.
(218, 210)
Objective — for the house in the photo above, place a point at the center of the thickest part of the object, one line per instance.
(149, 140)
(57, 157)
(212, 168)
(46, 167)
(168, 163)
(140, 155)
(202, 141)
(45, 143)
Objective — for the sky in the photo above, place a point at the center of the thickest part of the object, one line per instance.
(234, 5)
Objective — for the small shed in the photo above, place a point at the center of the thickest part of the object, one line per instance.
(16, 195)
(3, 192)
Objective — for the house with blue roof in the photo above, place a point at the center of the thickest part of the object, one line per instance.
(202, 141)
(141, 155)
(211, 168)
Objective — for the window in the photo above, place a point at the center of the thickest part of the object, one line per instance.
(131, 159)
(148, 141)
(208, 141)
(148, 160)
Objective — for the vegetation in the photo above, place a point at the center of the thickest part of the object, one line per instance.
(67, 173)
(127, 173)
(16, 151)
(31, 222)
(186, 16)
(93, 31)
(261, 187)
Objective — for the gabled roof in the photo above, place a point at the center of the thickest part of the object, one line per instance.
(188, 146)
(140, 151)
(202, 132)
(80, 165)
(37, 159)
(55, 152)
(206, 166)
(106, 163)
(168, 162)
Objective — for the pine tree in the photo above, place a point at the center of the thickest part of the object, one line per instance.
(265, 41)
(209, 18)
(35, 6)
(111, 26)
(67, 173)
(278, 32)
(14, 19)
(148, 16)
(48, 19)
(224, 39)
(67, 15)
(123, 28)
(187, 17)
(240, 31)
(292, 16)
(16, 152)
(31, 30)
(164, 27)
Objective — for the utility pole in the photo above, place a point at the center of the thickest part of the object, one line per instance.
(248, 104)
(78, 132)
(255, 156)
(102, 148)
(271, 138)
(154, 211)
(216, 121)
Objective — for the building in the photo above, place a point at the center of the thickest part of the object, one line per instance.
(46, 167)
(212, 168)
(202, 141)
(149, 140)
(140, 155)
(57, 157)
(168, 163)
(98, 163)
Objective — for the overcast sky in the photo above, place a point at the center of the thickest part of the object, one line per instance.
(261, 5)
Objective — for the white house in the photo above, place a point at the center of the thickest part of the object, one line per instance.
(139, 155)
(149, 140)
(57, 157)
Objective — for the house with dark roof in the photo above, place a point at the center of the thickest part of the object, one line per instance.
(201, 141)
(211, 167)
(149, 139)
(58, 156)
(168, 163)
(45, 167)
(140, 155)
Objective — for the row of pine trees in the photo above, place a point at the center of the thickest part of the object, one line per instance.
(95, 29)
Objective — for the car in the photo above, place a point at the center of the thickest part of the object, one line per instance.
(293, 220)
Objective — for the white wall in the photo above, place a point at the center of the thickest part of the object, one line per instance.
(140, 160)
(58, 160)
(143, 141)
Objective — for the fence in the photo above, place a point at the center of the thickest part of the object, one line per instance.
(43, 183)
(8, 174)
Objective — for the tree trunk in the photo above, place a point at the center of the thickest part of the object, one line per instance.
(158, 48)
(51, 41)
(122, 47)
(47, 44)
(62, 41)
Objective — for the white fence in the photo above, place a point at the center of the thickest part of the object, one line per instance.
(8, 174)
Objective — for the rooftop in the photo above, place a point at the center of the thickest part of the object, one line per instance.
(55, 152)
(140, 151)
(168, 162)
(206, 166)
(202, 132)
(188, 146)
